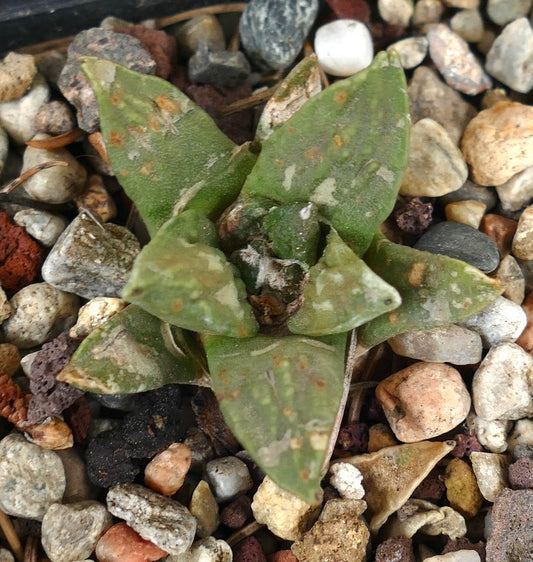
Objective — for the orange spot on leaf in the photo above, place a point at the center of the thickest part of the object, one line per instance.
(167, 104)
(115, 139)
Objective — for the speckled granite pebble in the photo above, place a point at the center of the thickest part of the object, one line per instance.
(16, 75)
(461, 242)
(512, 527)
(159, 519)
(452, 56)
(91, 259)
(31, 478)
(70, 532)
(272, 31)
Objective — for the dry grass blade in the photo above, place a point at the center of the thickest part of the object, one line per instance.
(31, 551)
(29, 173)
(11, 536)
(58, 141)
(217, 9)
(246, 531)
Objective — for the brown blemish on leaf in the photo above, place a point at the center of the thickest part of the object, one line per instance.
(312, 153)
(147, 169)
(302, 365)
(124, 173)
(287, 412)
(296, 443)
(116, 97)
(279, 162)
(115, 139)
(415, 275)
(177, 305)
(154, 123)
(167, 104)
(393, 318)
(340, 97)
(305, 474)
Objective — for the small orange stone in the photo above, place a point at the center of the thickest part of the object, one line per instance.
(97, 200)
(166, 472)
(500, 230)
(525, 339)
(120, 543)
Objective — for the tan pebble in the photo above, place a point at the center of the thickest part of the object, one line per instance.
(391, 475)
(511, 278)
(498, 142)
(5, 307)
(204, 507)
(525, 340)
(285, 514)
(9, 359)
(121, 543)
(424, 400)
(523, 238)
(52, 433)
(491, 473)
(96, 199)
(426, 12)
(492, 97)
(461, 488)
(468, 212)
(500, 230)
(465, 4)
(95, 313)
(379, 436)
(340, 536)
(16, 75)
(166, 472)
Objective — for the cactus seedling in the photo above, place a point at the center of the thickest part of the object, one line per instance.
(272, 260)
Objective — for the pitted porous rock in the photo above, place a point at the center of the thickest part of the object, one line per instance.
(31, 478)
(117, 47)
(70, 532)
(501, 384)
(159, 519)
(347, 480)
(285, 514)
(91, 259)
(40, 312)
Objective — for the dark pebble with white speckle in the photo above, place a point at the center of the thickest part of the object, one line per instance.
(273, 31)
(461, 242)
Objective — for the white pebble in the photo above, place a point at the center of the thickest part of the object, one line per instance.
(456, 556)
(502, 321)
(229, 477)
(500, 387)
(347, 480)
(492, 434)
(40, 313)
(344, 47)
(205, 550)
(44, 227)
(412, 50)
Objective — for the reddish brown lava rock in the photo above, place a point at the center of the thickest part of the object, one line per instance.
(521, 473)
(462, 543)
(466, 444)
(20, 256)
(431, 488)
(248, 550)
(398, 549)
(282, 556)
(235, 514)
(353, 438)
(350, 9)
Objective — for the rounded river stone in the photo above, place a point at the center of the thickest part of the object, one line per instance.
(461, 242)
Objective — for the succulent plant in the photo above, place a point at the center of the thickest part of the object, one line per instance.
(266, 259)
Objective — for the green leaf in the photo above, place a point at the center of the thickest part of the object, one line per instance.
(341, 294)
(132, 352)
(280, 397)
(345, 151)
(294, 231)
(436, 290)
(168, 154)
(186, 282)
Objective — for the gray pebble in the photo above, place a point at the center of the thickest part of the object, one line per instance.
(430, 97)
(512, 527)
(512, 279)
(40, 313)
(521, 437)
(504, 11)
(412, 51)
(471, 191)
(229, 477)
(159, 519)
(55, 118)
(435, 165)
(117, 47)
(91, 259)
(58, 184)
(228, 69)
(31, 478)
(6, 556)
(502, 321)
(18, 117)
(468, 24)
(70, 532)
(450, 344)
(461, 242)
(517, 192)
(500, 387)
(510, 58)
(205, 30)
(452, 56)
(273, 31)
(4, 148)
(43, 226)
(78, 486)
(50, 66)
